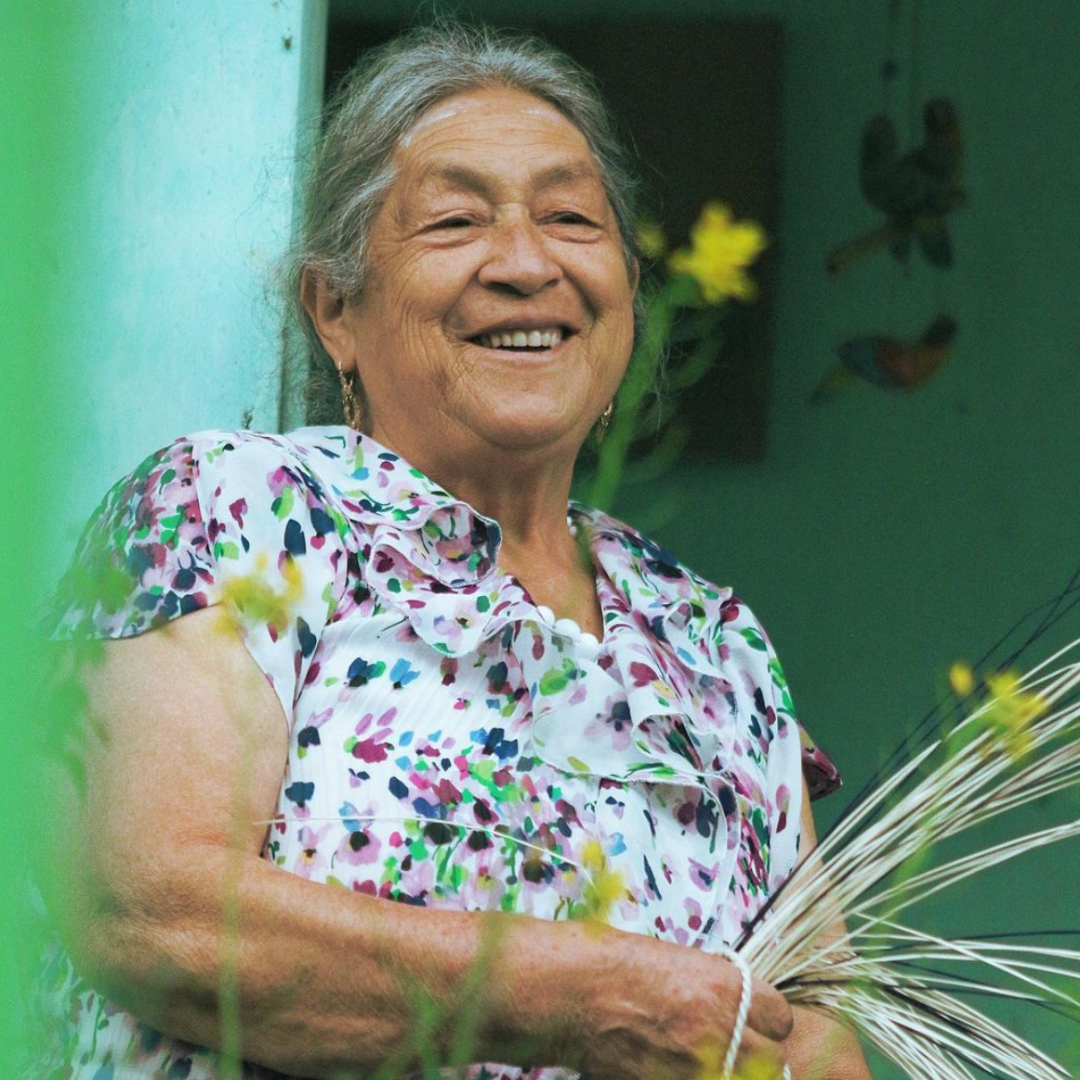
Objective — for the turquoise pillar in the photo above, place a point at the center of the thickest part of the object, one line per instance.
(186, 121)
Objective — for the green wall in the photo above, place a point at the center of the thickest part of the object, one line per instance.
(147, 155)
(184, 120)
(885, 535)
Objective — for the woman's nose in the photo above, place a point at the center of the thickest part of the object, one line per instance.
(518, 258)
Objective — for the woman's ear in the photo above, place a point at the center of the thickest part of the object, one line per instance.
(634, 274)
(326, 310)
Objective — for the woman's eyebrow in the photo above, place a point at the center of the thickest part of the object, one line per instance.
(481, 182)
(567, 173)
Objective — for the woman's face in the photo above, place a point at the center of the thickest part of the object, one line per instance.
(497, 307)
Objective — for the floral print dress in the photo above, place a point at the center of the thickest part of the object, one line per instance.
(450, 743)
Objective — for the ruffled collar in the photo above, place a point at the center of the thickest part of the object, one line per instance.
(376, 487)
(411, 518)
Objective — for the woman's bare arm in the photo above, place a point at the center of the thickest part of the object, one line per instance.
(819, 1048)
(186, 750)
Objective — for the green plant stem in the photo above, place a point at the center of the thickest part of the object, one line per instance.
(467, 1025)
(229, 1011)
(701, 359)
(635, 388)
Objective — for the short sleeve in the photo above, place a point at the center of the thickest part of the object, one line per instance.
(821, 775)
(218, 518)
(794, 764)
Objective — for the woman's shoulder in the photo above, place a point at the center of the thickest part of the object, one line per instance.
(169, 472)
(305, 444)
(206, 507)
(703, 621)
(217, 470)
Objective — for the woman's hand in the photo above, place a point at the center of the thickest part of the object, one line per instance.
(658, 1011)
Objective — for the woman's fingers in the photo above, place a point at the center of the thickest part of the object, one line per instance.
(760, 1057)
(769, 1022)
(770, 1014)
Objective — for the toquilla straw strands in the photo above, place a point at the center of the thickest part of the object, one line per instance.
(883, 978)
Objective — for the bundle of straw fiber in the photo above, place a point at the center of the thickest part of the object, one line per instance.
(900, 988)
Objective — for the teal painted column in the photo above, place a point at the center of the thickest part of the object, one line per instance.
(186, 122)
(147, 180)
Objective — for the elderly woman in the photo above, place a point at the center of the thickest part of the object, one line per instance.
(439, 685)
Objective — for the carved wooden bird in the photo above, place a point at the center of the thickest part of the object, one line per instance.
(888, 361)
(916, 191)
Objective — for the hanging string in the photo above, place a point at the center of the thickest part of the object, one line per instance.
(940, 297)
(916, 96)
(890, 70)
(889, 67)
(745, 997)
(914, 75)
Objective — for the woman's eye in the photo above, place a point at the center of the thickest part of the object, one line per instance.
(454, 223)
(570, 217)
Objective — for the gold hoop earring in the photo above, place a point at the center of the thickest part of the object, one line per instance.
(350, 400)
(602, 425)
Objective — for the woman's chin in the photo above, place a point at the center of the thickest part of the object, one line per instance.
(530, 432)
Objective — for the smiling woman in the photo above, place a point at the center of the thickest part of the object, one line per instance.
(440, 691)
(497, 224)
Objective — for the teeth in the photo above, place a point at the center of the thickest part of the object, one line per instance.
(522, 339)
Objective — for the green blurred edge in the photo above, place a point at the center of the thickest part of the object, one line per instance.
(38, 170)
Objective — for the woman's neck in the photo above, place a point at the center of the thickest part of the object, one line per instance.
(561, 579)
(527, 493)
(525, 490)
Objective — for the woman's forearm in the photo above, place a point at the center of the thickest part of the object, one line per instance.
(166, 906)
(329, 982)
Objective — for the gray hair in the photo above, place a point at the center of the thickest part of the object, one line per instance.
(377, 105)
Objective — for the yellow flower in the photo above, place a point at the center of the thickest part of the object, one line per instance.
(720, 251)
(250, 598)
(604, 887)
(711, 1056)
(1012, 711)
(961, 679)
(651, 238)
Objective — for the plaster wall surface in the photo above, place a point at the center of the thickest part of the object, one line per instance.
(187, 120)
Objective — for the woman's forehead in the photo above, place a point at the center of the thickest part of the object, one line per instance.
(456, 173)
(490, 138)
(492, 104)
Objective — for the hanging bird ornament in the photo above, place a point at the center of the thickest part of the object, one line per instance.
(888, 361)
(916, 191)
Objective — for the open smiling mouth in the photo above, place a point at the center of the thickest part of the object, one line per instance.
(524, 341)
